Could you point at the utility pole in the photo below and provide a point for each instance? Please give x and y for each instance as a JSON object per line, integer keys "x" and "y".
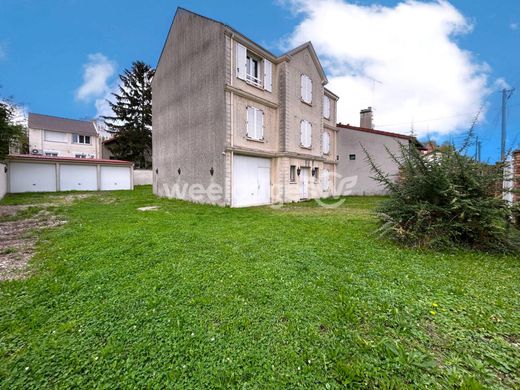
{"x": 506, "y": 94}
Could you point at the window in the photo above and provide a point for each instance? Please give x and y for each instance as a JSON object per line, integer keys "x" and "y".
{"x": 255, "y": 123}
{"x": 55, "y": 136}
{"x": 326, "y": 107}
{"x": 306, "y": 88}
{"x": 305, "y": 134}
{"x": 326, "y": 143}
{"x": 292, "y": 174}
{"x": 249, "y": 68}
{"x": 51, "y": 154}
{"x": 325, "y": 180}
{"x": 81, "y": 156}
{"x": 351, "y": 156}
{"x": 316, "y": 175}
{"x": 252, "y": 70}
{"x": 80, "y": 139}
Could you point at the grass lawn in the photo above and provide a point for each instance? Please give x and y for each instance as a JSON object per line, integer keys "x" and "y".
{"x": 200, "y": 296}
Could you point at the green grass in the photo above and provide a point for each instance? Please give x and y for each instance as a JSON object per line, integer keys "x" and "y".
{"x": 199, "y": 296}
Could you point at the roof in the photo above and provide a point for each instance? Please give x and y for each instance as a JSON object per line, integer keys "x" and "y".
{"x": 380, "y": 132}
{"x": 62, "y": 125}
{"x": 29, "y": 157}
{"x": 265, "y": 52}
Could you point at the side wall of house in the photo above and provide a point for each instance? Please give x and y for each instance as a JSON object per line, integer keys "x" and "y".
{"x": 355, "y": 176}
{"x": 189, "y": 110}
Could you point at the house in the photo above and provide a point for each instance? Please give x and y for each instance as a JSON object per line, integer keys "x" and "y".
{"x": 355, "y": 176}
{"x": 236, "y": 125}
{"x": 516, "y": 175}
{"x": 60, "y": 137}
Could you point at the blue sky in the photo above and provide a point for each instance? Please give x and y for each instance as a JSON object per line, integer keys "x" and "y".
{"x": 45, "y": 46}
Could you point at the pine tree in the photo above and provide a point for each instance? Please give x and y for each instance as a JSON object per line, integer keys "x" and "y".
{"x": 132, "y": 120}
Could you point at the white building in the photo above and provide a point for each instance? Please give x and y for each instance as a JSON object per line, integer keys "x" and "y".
{"x": 60, "y": 137}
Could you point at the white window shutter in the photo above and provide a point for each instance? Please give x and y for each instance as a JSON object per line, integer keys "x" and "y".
{"x": 325, "y": 179}
{"x": 250, "y": 122}
{"x": 309, "y": 134}
{"x": 309, "y": 90}
{"x": 303, "y": 132}
{"x": 268, "y": 76}
{"x": 326, "y": 107}
{"x": 326, "y": 143}
{"x": 241, "y": 61}
{"x": 259, "y": 133}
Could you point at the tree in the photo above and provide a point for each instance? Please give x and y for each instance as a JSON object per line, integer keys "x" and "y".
{"x": 12, "y": 135}
{"x": 132, "y": 120}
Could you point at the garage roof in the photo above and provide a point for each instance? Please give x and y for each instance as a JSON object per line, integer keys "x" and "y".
{"x": 28, "y": 157}
{"x": 62, "y": 125}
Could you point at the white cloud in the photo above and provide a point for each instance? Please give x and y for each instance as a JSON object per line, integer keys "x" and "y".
{"x": 501, "y": 83}
{"x": 403, "y": 60}
{"x": 97, "y": 73}
{"x": 513, "y": 26}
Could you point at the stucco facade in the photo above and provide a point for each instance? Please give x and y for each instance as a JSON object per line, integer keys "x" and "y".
{"x": 222, "y": 102}
{"x": 60, "y": 137}
{"x": 355, "y": 176}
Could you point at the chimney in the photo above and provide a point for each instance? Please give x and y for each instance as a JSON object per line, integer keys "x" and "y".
{"x": 366, "y": 118}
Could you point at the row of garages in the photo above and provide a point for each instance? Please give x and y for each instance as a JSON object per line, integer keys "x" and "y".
{"x": 26, "y": 173}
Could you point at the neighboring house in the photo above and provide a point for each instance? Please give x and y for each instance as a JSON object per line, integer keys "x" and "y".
{"x": 232, "y": 118}
{"x": 60, "y": 137}
{"x": 355, "y": 176}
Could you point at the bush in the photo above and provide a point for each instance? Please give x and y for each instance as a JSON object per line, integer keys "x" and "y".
{"x": 445, "y": 199}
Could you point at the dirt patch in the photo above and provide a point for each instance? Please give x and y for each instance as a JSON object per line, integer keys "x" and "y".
{"x": 17, "y": 240}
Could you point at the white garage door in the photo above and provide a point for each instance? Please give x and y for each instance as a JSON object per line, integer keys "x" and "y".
{"x": 251, "y": 181}
{"x": 115, "y": 178}
{"x": 30, "y": 177}
{"x": 78, "y": 177}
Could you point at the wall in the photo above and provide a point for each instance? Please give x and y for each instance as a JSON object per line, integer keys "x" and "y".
{"x": 189, "y": 108}
{"x": 143, "y": 177}
{"x": 64, "y": 149}
{"x": 3, "y": 180}
{"x": 358, "y": 171}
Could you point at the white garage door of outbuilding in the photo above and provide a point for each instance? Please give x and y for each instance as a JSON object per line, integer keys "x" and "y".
{"x": 27, "y": 177}
{"x": 251, "y": 181}
{"x": 115, "y": 178}
{"x": 78, "y": 177}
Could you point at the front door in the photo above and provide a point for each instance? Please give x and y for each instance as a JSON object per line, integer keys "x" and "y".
{"x": 304, "y": 183}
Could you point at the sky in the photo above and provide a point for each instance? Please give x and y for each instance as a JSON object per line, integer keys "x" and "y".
{"x": 430, "y": 67}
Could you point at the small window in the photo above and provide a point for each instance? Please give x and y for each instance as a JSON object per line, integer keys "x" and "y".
{"x": 316, "y": 175}
{"x": 306, "y": 88}
{"x": 255, "y": 123}
{"x": 351, "y": 156}
{"x": 51, "y": 154}
{"x": 292, "y": 174}
{"x": 81, "y": 156}
{"x": 253, "y": 69}
{"x": 80, "y": 139}
{"x": 326, "y": 107}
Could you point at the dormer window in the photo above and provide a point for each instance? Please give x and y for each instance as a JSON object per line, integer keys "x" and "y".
{"x": 253, "y": 69}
